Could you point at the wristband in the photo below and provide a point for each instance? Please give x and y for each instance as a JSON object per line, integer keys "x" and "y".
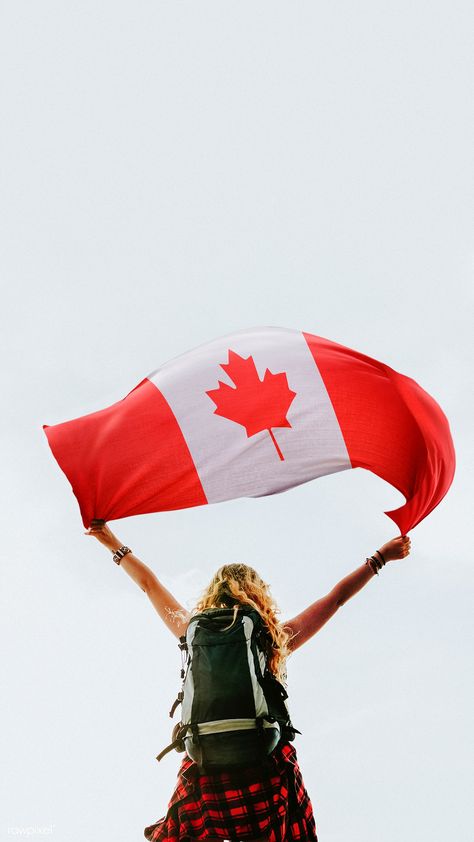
{"x": 119, "y": 554}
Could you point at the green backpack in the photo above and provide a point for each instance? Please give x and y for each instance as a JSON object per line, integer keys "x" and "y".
{"x": 234, "y": 711}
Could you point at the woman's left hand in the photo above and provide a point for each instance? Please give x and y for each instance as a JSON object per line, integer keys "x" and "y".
{"x": 396, "y": 548}
{"x": 101, "y": 531}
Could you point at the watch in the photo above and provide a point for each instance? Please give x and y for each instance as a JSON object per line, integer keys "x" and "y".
{"x": 119, "y": 554}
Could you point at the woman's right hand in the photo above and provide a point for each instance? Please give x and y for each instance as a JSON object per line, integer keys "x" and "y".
{"x": 396, "y": 548}
{"x": 101, "y": 531}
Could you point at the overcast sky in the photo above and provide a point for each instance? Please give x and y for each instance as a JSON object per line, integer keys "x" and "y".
{"x": 172, "y": 172}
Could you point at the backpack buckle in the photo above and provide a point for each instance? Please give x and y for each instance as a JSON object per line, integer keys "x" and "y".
{"x": 177, "y": 702}
{"x": 179, "y": 732}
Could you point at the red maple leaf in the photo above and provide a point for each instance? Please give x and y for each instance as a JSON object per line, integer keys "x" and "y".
{"x": 256, "y": 404}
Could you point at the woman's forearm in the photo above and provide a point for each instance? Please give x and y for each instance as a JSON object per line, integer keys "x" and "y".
{"x": 137, "y": 570}
{"x": 315, "y": 616}
{"x": 173, "y": 614}
{"x": 170, "y": 610}
{"x": 398, "y": 547}
{"x": 352, "y": 583}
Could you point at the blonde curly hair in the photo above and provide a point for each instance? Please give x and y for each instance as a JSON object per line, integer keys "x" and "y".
{"x": 237, "y": 584}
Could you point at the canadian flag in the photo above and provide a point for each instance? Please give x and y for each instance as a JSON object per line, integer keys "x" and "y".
{"x": 255, "y": 413}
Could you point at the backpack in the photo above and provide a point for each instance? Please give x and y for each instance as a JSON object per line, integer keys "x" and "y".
{"x": 234, "y": 711}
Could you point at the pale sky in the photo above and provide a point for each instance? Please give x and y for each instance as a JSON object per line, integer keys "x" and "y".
{"x": 176, "y": 171}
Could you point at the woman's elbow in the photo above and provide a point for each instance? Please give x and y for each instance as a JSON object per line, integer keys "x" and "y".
{"x": 338, "y": 597}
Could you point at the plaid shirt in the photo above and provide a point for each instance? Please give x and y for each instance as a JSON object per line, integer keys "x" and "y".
{"x": 267, "y": 803}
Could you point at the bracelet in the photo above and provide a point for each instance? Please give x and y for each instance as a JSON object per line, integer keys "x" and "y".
{"x": 119, "y": 554}
{"x": 375, "y": 563}
{"x": 372, "y": 564}
{"x": 381, "y": 556}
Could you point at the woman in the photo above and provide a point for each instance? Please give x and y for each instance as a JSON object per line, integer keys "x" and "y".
{"x": 268, "y": 802}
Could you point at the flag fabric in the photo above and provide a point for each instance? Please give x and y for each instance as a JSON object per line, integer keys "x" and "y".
{"x": 255, "y": 413}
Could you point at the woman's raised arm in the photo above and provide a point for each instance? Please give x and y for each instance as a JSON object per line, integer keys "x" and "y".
{"x": 305, "y": 625}
{"x": 170, "y": 610}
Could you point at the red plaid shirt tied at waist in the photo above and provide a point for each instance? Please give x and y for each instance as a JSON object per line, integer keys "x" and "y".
{"x": 269, "y": 802}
